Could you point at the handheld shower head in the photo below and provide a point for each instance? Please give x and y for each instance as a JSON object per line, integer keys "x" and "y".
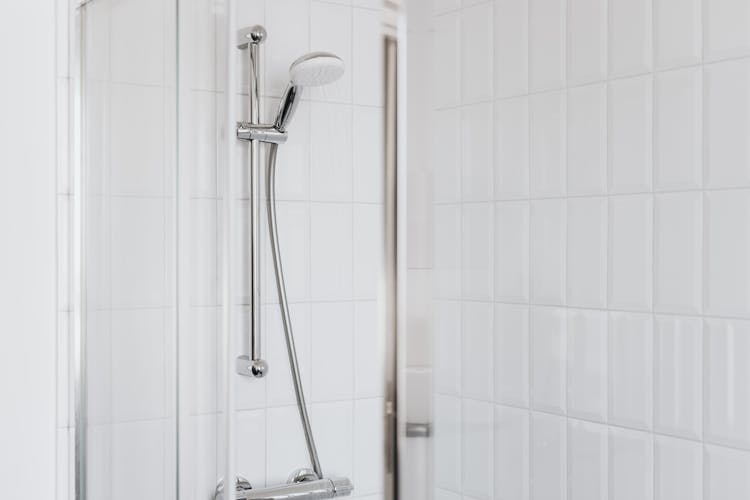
{"x": 316, "y": 69}
{"x": 311, "y": 70}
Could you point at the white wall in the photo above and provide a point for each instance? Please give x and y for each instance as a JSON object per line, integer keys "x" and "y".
{"x": 28, "y": 48}
{"x": 591, "y": 263}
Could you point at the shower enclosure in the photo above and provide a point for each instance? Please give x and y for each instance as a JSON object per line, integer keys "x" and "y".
{"x": 178, "y": 269}
{"x": 536, "y": 287}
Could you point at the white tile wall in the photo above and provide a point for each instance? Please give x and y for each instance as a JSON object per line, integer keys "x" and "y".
{"x": 618, "y": 248}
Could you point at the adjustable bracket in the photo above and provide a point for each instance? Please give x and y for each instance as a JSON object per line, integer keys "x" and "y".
{"x": 262, "y": 133}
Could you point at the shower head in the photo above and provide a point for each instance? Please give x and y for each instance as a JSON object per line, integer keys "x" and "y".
{"x": 311, "y": 70}
{"x": 315, "y": 69}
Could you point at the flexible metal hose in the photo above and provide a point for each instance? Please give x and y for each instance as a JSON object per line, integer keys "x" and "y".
{"x": 284, "y": 307}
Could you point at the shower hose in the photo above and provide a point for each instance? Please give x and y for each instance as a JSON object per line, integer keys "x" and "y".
{"x": 284, "y": 307}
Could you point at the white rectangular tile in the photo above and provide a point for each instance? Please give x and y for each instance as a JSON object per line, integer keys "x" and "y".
{"x": 548, "y": 222}
{"x": 727, "y": 252}
{"x": 251, "y": 459}
{"x": 199, "y": 147}
{"x": 630, "y": 252}
{"x": 727, "y": 398}
{"x": 477, "y": 449}
{"x": 446, "y": 495}
{"x": 546, "y": 44}
{"x": 511, "y": 453}
{"x": 587, "y": 364}
{"x": 678, "y": 129}
{"x": 368, "y": 357}
{"x": 367, "y": 135}
{"x": 331, "y": 251}
{"x": 284, "y": 430}
{"x": 727, "y": 473}
{"x": 511, "y": 250}
{"x": 99, "y": 452}
{"x": 678, "y": 469}
{"x": 476, "y": 53}
{"x": 367, "y": 57}
{"x": 200, "y": 352}
{"x": 442, "y": 6}
{"x": 547, "y": 138}
{"x": 447, "y": 244}
{"x": 419, "y": 308}
{"x": 148, "y": 20}
{"x": 476, "y": 153}
{"x": 678, "y": 252}
{"x": 447, "y": 323}
{"x": 678, "y": 376}
{"x": 198, "y": 460}
{"x": 727, "y": 124}
{"x": 476, "y": 350}
{"x": 98, "y": 366}
{"x": 331, "y": 152}
{"x": 586, "y": 44}
{"x": 726, "y": 28}
{"x": 629, "y": 130}
{"x": 511, "y": 348}
{"x": 137, "y": 117}
{"x": 629, "y": 38}
{"x": 587, "y": 460}
{"x": 447, "y": 75}
{"x": 548, "y": 359}
{"x": 332, "y": 351}
{"x": 419, "y": 405}
{"x": 548, "y": 457}
{"x": 476, "y": 251}
{"x": 587, "y": 140}
{"x": 367, "y": 250}
{"x": 137, "y": 235}
{"x": 586, "y": 276}
{"x": 368, "y": 437}
{"x": 331, "y": 31}
{"x": 139, "y": 450}
{"x": 138, "y": 339}
{"x": 511, "y": 54}
{"x": 447, "y": 448}
{"x": 631, "y": 461}
{"x": 511, "y": 148}
{"x": 280, "y": 390}
{"x": 291, "y": 17}
{"x": 446, "y": 155}
{"x": 294, "y": 238}
{"x": 333, "y": 427}
{"x": 630, "y": 364}
{"x": 677, "y": 32}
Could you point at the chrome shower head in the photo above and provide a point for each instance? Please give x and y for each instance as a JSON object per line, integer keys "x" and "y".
{"x": 311, "y": 70}
{"x": 315, "y": 69}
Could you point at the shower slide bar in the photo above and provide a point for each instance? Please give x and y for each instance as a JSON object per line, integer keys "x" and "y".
{"x": 249, "y": 39}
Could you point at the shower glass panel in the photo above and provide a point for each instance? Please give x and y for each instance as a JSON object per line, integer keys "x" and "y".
{"x": 165, "y": 198}
{"x": 127, "y": 390}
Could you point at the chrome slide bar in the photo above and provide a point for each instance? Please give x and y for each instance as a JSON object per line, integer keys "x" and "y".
{"x": 253, "y": 365}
